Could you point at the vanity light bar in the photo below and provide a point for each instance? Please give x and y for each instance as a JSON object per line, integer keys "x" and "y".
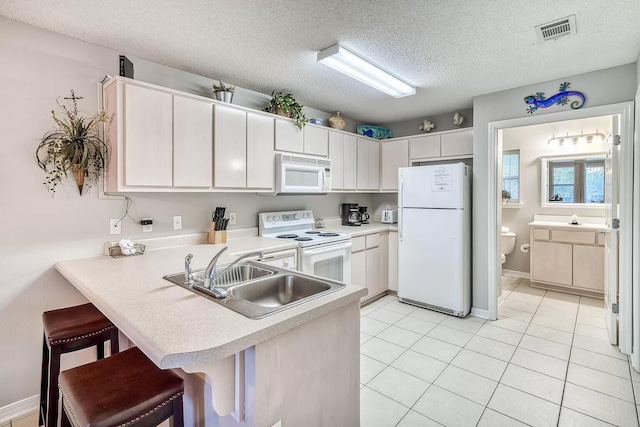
{"x": 596, "y": 137}
{"x": 354, "y": 66}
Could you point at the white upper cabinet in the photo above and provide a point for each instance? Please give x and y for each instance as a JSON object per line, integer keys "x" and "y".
{"x": 424, "y": 147}
{"x": 288, "y": 137}
{"x": 374, "y": 165}
{"x": 230, "y": 147}
{"x": 350, "y": 161}
{"x": 363, "y": 164}
{"x": 336, "y": 155}
{"x": 260, "y": 153}
{"x": 395, "y": 154}
{"x": 456, "y": 143}
{"x": 368, "y": 167}
{"x": 316, "y": 140}
{"x": 192, "y": 142}
{"x": 148, "y": 137}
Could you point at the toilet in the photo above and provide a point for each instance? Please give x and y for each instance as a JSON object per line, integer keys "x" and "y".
{"x": 507, "y": 242}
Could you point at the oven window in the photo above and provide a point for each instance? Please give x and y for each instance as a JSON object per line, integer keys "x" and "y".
{"x": 330, "y": 268}
{"x": 297, "y": 178}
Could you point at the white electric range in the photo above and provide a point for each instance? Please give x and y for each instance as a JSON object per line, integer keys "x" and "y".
{"x": 320, "y": 252}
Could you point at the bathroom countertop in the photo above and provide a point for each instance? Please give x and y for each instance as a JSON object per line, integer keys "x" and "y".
{"x": 566, "y": 225}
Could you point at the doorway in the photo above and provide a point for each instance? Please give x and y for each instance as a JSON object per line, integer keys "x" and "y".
{"x": 621, "y": 115}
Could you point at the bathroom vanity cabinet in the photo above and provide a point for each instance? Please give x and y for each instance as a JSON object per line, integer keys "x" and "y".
{"x": 570, "y": 260}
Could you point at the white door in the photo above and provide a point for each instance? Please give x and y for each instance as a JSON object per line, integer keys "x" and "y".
{"x": 336, "y": 155}
{"x": 439, "y": 186}
{"x": 611, "y": 238}
{"x": 192, "y": 142}
{"x": 431, "y": 258}
{"x": 260, "y": 154}
{"x": 230, "y": 147}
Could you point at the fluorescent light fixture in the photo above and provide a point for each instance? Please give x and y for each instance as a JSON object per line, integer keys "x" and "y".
{"x": 354, "y": 66}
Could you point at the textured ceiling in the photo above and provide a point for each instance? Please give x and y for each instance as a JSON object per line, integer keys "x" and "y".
{"x": 452, "y": 50}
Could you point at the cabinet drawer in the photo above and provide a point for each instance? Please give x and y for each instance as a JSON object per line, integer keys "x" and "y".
{"x": 588, "y": 237}
{"x": 357, "y": 244}
{"x": 373, "y": 240}
{"x": 540, "y": 234}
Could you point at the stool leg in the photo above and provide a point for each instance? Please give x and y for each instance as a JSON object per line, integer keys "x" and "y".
{"x": 100, "y": 350}
{"x": 178, "y": 419}
{"x": 115, "y": 344}
{"x": 44, "y": 381}
{"x": 54, "y": 372}
{"x": 65, "y": 422}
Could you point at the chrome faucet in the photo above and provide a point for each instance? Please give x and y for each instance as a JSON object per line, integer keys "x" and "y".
{"x": 211, "y": 276}
{"x": 188, "y": 273}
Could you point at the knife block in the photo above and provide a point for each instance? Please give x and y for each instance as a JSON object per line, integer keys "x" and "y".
{"x": 216, "y": 237}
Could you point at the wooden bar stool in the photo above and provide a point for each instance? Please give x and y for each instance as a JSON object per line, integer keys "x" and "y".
{"x": 67, "y": 330}
{"x": 122, "y": 390}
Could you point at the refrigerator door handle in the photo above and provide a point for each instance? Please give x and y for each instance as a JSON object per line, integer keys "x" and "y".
{"x": 400, "y": 204}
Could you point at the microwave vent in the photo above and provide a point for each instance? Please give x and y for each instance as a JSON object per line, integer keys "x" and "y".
{"x": 305, "y": 161}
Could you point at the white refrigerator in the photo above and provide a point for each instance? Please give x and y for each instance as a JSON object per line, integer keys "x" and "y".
{"x": 434, "y": 237}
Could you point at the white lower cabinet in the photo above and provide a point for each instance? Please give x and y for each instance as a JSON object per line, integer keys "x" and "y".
{"x": 369, "y": 267}
{"x": 570, "y": 260}
{"x": 393, "y": 261}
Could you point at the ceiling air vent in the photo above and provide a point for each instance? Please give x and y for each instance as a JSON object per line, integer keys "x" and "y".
{"x": 558, "y": 28}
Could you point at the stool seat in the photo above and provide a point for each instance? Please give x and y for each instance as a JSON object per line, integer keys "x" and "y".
{"x": 120, "y": 390}
{"x": 74, "y": 323}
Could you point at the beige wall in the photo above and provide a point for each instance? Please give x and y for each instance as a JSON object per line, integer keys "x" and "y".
{"x": 37, "y": 230}
{"x": 532, "y": 143}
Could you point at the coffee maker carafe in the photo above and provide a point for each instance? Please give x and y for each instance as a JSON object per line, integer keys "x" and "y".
{"x": 350, "y": 214}
{"x": 364, "y": 215}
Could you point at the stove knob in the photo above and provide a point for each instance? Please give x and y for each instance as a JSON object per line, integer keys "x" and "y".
{"x": 276, "y": 218}
{"x": 304, "y": 215}
{"x": 270, "y": 218}
{"x": 296, "y": 216}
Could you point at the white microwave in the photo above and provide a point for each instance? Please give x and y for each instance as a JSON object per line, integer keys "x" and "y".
{"x": 302, "y": 175}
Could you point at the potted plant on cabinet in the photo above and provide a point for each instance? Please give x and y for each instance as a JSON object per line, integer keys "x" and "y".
{"x": 74, "y": 145}
{"x": 223, "y": 92}
{"x": 506, "y": 196}
{"x": 287, "y": 106}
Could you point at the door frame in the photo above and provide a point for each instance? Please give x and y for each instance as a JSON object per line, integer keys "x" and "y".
{"x": 626, "y": 112}
{"x": 635, "y": 354}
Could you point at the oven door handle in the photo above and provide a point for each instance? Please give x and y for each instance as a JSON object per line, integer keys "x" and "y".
{"x": 325, "y": 249}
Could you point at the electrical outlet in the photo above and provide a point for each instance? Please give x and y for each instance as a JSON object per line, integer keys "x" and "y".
{"x": 115, "y": 226}
{"x": 177, "y": 222}
{"x": 232, "y": 218}
{"x": 147, "y": 225}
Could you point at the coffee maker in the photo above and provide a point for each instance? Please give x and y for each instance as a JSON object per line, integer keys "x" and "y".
{"x": 350, "y": 214}
{"x": 364, "y": 215}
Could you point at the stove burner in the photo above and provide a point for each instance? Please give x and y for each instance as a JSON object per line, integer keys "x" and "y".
{"x": 312, "y": 232}
{"x": 287, "y": 236}
{"x": 303, "y": 239}
{"x": 328, "y": 234}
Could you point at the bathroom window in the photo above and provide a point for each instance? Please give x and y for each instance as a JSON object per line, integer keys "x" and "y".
{"x": 576, "y": 181}
{"x": 511, "y": 173}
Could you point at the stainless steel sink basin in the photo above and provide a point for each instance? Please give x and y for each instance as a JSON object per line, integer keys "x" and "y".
{"x": 237, "y": 274}
{"x": 278, "y": 290}
{"x": 256, "y": 290}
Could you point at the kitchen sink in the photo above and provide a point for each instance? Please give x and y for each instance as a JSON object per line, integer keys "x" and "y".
{"x": 237, "y": 274}
{"x": 256, "y": 290}
{"x": 279, "y": 290}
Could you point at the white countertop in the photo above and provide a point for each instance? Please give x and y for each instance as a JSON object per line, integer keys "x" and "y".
{"x": 361, "y": 230}
{"x": 173, "y": 326}
{"x": 566, "y": 225}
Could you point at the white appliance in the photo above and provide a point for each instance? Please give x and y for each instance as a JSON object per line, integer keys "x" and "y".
{"x": 320, "y": 252}
{"x": 434, "y": 229}
{"x": 389, "y": 216}
{"x": 302, "y": 174}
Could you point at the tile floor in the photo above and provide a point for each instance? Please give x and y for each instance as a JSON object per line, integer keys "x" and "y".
{"x": 545, "y": 362}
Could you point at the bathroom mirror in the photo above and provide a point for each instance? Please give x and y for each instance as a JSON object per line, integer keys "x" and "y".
{"x": 572, "y": 181}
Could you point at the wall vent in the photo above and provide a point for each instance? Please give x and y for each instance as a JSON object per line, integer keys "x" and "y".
{"x": 558, "y": 28}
